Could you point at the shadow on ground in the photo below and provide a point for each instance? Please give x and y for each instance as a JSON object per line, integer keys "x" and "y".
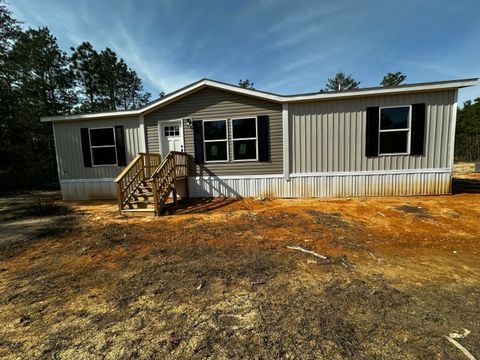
{"x": 460, "y": 186}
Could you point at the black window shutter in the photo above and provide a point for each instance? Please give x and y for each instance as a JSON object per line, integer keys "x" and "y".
{"x": 198, "y": 141}
{"x": 120, "y": 144}
{"x": 263, "y": 138}
{"x": 87, "y": 158}
{"x": 417, "y": 140}
{"x": 371, "y": 146}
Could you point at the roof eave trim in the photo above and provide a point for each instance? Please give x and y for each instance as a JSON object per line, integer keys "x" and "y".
{"x": 121, "y": 113}
{"x": 385, "y": 91}
{"x": 262, "y": 95}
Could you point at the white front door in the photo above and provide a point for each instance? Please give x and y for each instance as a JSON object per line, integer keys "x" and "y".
{"x": 171, "y": 137}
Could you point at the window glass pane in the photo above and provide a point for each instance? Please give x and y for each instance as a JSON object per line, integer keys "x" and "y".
{"x": 393, "y": 142}
{"x": 99, "y": 137}
{"x": 104, "y": 156}
{"x": 245, "y": 149}
{"x": 244, "y": 128}
{"x": 172, "y": 130}
{"x": 394, "y": 118}
{"x": 216, "y": 150}
{"x": 215, "y": 130}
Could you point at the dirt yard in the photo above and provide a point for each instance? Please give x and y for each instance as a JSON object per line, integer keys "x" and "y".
{"x": 79, "y": 280}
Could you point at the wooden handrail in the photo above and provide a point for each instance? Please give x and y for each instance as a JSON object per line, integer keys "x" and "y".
{"x": 147, "y": 167}
{"x": 127, "y": 168}
{"x": 164, "y": 176}
{"x": 134, "y": 174}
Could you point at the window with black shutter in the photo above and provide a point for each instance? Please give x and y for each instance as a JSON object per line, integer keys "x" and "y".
{"x": 394, "y": 130}
{"x": 244, "y": 138}
{"x": 215, "y": 140}
{"x": 103, "y": 146}
{"x": 248, "y": 139}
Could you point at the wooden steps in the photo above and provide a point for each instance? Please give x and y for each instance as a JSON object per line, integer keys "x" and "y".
{"x": 143, "y": 188}
{"x": 140, "y": 212}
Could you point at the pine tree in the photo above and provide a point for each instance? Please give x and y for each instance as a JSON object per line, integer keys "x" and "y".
{"x": 341, "y": 82}
{"x": 393, "y": 79}
{"x": 246, "y": 84}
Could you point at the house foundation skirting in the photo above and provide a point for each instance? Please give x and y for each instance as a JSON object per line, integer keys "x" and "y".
{"x": 88, "y": 189}
{"x": 348, "y": 184}
{"x": 99, "y": 189}
{"x": 341, "y": 184}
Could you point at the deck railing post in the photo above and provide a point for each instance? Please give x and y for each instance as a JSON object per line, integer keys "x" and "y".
{"x": 119, "y": 196}
{"x": 155, "y": 196}
{"x": 142, "y": 166}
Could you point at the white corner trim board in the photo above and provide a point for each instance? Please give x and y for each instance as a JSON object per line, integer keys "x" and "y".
{"x": 286, "y": 142}
{"x": 452, "y": 132}
{"x": 141, "y": 130}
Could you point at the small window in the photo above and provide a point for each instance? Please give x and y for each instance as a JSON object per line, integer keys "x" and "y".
{"x": 172, "y": 130}
{"x": 394, "y": 130}
{"x": 102, "y": 146}
{"x": 244, "y": 136}
{"x": 215, "y": 140}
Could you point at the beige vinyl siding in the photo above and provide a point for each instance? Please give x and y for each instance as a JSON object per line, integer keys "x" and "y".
{"x": 329, "y": 136}
{"x": 69, "y": 147}
{"x": 219, "y": 104}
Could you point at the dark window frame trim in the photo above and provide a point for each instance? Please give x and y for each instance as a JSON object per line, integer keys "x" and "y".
{"x": 239, "y": 139}
{"x": 408, "y": 130}
{"x": 103, "y": 146}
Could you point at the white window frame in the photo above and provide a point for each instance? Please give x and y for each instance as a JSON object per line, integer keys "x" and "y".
{"x": 408, "y": 129}
{"x": 254, "y": 138}
{"x": 216, "y": 140}
{"x": 103, "y": 146}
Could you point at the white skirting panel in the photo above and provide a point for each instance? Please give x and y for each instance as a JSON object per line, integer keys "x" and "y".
{"x": 88, "y": 189}
{"x": 393, "y": 183}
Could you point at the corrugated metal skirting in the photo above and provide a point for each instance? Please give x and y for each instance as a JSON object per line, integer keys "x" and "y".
{"x": 397, "y": 184}
{"x": 94, "y": 189}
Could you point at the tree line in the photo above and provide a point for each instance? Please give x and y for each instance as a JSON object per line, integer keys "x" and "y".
{"x": 37, "y": 79}
{"x": 467, "y": 136}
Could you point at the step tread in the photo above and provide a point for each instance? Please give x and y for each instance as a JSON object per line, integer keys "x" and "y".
{"x": 143, "y": 194}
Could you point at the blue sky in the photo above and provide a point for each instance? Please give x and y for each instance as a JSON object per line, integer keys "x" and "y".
{"x": 283, "y": 46}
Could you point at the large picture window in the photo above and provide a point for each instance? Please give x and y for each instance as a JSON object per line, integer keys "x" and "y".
{"x": 394, "y": 130}
{"x": 244, "y": 137}
{"x": 215, "y": 140}
{"x": 102, "y": 146}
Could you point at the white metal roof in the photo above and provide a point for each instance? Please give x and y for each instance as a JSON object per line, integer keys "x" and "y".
{"x": 174, "y": 96}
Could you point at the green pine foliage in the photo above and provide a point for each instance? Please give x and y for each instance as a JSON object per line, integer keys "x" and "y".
{"x": 341, "y": 82}
{"x": 37, "y": 79}
{"x": 393, "y": 79}
{"x": 246, "y": 84}
{"x": 467, "y": 137}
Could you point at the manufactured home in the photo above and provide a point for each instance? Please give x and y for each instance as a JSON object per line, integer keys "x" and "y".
{"x": 212, "y": 139}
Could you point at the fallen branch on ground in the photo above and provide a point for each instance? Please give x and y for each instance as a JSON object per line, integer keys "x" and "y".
{"x": 323, "y": 257}
{"x": 461, "y": 348}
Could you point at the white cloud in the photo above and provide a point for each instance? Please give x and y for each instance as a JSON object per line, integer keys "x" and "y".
{"x": 149, "y": 64}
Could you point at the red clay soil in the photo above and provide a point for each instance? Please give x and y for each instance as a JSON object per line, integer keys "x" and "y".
{"x": 79, "y": 280}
